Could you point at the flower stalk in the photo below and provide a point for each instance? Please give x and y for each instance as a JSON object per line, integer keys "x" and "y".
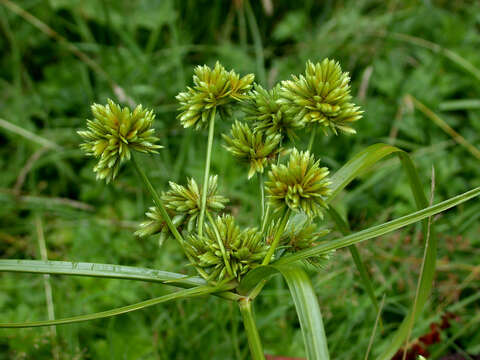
{"x": 312, "y": 138}
{"x": 262, "y": 194}
{"x": 158, "y": 202}
{"x": 276, "y": 239}
{"x": 220, "y": 245}
{"x": 211, "y": 130}
{"x": 254, "y": 342}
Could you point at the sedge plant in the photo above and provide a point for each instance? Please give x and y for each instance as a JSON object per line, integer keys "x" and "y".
{"x": 295, "y": 195}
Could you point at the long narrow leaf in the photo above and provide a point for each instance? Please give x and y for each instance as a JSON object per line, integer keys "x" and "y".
{"x": 356, "y": 165}
{"x": 347, "y": 173}
{"x": 378, "y": 230}
{"x": 99, "y": 270}
{"x": 182, "y": 294}
{"x": 308, "y": 311}
{"x": 305, "y": 301}
{"x": 107, "y": 271}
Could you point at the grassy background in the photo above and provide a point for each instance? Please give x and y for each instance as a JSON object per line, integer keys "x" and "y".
{"x": 59, "y": 56}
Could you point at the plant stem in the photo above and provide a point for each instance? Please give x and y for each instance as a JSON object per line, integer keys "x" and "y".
{"x": 158, "y": 202}
{"x": 47, "y": 285}
{"x": 211, "y": 128}
{"x": 276, "y": 239}
{"x": 253, "y": 337}
{"x": 312, "y": 138}
{"x": 262, "y": 194}
{"x": 257, "y": 43}
{"x": 220, "y": 244}
{"x": 265, "y": 219}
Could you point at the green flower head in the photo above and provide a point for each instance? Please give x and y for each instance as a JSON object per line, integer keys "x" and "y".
{"x": 300, "y": 185}
{"x": 114, "y": 132}
{"x": 183, "y": 206}
{"x": 321, "y": 96}
{"x": 213, "y": 89}
{"x": 252, "y": 147}
{"x": 245, "y": 249}
{"x": 187, "y": 200}
{"x": 300, "y": 233}
{"x": 264, "y": 109}
{"x": 156, "y": 225}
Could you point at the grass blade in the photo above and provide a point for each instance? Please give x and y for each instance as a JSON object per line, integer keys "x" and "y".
{"x": 305, "y": 301}
{"x": 437, "y": 120}
{"x": 99, "y": 270}
{"x": 28, "y": 135}
{"x": 374, "y": 331}
{"x": 462, "y": 104}
{"x": 358, "y": 164}
{"x": 182, "y": 294}
{"x": 308, "y": 311}
{"x": 381, "y": 229}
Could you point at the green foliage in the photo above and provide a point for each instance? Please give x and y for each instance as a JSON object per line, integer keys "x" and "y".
{"x": 149, "y": 49}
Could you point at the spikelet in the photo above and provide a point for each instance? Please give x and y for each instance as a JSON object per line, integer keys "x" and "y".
{"x": 114, "y": 133}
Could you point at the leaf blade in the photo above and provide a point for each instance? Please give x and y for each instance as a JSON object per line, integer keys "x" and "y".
{"x": 308, "y": 311}
{"x": 182, "y": 294}
{"x": 379, "y": 230}
{"x": 98, "y": 270}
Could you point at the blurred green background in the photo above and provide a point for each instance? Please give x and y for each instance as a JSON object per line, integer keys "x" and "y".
{"x": 60, "y": 56}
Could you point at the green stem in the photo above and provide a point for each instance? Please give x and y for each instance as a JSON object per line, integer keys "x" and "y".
{"x": 256, "y": 349}
{"x": 265, "y": 219}
{"x": 47, "y": 284}
{"x": 276, "y": 239}
{"x": 207, "y": 172}
{"x": 257, "y": 43}
{"x": 262, "y": 193}
{"x": 312, "y": 138}
{"x": 220, "y": 244}
{"x": 158, "y": 202}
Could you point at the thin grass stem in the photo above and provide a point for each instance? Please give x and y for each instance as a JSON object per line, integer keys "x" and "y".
{"x": 312, "y": 138}
{"x": 254, "y": 342}
{"x": 276, "y": 239}
{"x": 262, "y": 194}
{"x": 211, "y": 129}
{"x": 47, "y": 284}
{"x": 374, "y": 331}
{"x": 424, "y": 257}
{"x": 257, "y": 43}
{"x": 158, "y": 202}
{"x": 220, "y": 244}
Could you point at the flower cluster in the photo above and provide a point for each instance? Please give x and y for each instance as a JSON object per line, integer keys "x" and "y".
{"x": 244, "y": 249}
{"x": 183, "y": 205}
{"x": 264, "y": 109}
{"x": 114, "y": 132}
{"x": 212, "y": 90}
{"x": 217, "y": 247}
{"x": 300, "y": 185}
{"x": 252, "y": 147}
{"x": 321, "y": 96}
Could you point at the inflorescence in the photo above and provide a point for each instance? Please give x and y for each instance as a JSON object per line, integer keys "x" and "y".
{"x": 272, "y": 119}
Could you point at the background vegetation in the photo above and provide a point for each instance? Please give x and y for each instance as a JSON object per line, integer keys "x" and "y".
{"x": 410, "y": 61}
